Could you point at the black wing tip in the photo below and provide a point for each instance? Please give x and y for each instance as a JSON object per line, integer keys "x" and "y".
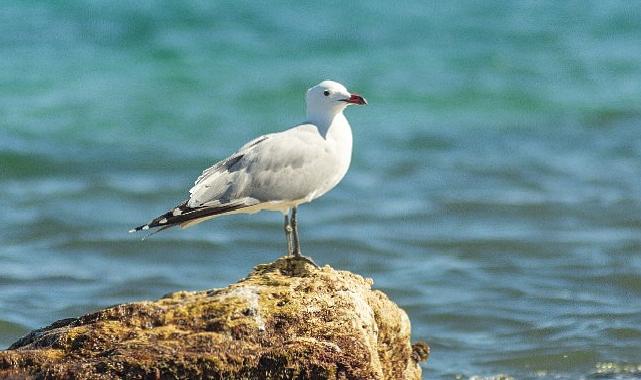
{"x": 163, "y": 220}
{"x": 139, "y": 228}
{"x": 184, "y": 213}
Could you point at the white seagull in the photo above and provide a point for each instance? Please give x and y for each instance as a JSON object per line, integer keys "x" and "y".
{"x": 277, "y": 171}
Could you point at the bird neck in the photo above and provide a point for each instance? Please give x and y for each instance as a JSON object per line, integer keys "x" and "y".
{"x": 326, "y": 121}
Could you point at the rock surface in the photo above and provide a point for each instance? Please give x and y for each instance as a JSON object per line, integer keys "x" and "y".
{"x": 285, "y": 320}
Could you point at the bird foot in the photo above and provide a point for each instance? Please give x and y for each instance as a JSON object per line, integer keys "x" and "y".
{"x": 298, "y": 256}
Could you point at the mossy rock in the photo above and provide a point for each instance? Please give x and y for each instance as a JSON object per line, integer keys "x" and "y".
{"x": 286, "y": 320}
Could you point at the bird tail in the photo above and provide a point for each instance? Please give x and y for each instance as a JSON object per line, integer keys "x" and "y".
{"x": 186, "y": 216}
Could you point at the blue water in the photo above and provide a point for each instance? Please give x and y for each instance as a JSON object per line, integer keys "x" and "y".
{"x": 494, "y": 193}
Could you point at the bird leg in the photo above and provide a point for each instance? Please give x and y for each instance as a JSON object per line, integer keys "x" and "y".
{"x": 288, "y": 235}
{"x": 296, "y": 242}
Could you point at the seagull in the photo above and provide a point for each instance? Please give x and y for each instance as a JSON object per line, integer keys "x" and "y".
{"x": 276, "y": 172}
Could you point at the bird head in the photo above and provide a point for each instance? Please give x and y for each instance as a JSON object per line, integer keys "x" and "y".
{"x": 330, "y": 98}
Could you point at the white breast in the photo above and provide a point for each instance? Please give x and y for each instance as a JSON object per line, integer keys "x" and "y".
{"x": 339, "y": 139}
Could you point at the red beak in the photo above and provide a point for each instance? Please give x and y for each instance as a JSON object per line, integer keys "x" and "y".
{"x": 356, "y": 99}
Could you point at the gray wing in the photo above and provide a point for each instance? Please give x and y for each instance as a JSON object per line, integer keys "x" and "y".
{"x": 288, "y": 166}
{"x": 285, "y": 166}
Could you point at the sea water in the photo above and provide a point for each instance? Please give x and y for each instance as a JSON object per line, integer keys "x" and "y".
{"x": 494, "y": 192}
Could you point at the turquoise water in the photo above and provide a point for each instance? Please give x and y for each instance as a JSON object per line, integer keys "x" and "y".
{"x": 494, "y": 193}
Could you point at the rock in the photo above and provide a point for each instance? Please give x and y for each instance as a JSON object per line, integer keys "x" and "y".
{"x": 286, "y": 320}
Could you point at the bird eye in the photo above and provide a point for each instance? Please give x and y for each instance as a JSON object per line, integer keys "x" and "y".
{"x": 326, "y": 92}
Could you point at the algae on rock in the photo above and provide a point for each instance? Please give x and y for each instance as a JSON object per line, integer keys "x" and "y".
{"x": 286, "y": 320}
